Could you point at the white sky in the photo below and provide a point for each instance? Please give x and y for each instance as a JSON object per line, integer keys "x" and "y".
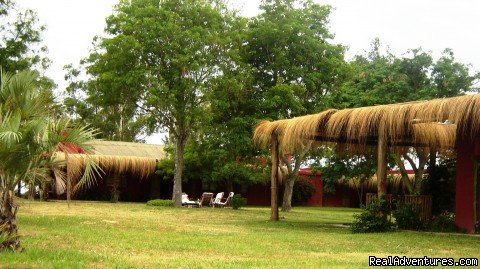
{"x": 432, "y": 25}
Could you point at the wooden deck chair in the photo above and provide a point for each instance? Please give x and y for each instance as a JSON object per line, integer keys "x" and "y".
{"x": 218, "y": 199}
{"x": 225, "y": 202}
{"x": 206, "y": 199}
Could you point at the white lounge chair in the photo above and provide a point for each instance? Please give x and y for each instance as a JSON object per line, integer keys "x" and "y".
{"x": 187, "y": 202}
{"x": 224, "y": 203}
{"x": 218, "y": 199}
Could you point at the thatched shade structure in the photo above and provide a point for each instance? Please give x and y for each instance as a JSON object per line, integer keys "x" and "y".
{"x": 115, "y": 157}
{"x": 426, "y": 123}
{"x": 435, "y": 124}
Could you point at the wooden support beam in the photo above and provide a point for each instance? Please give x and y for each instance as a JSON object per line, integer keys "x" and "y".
{"x": 274, "y": 179}
{"x": 69, "y": 180}
{"x": 381, "y": 165}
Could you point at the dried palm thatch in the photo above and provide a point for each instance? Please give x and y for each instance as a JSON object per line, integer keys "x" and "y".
{"x": 394, "y": 181}
{"x": 120, "y": 148}
{"x": 114, "y": 157}
{"x": 433, "y": 123}
{"x": 292, "y": 133}
{"x": 141, "y": 166}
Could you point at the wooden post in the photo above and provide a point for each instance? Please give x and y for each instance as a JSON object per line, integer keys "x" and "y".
{"x": 69, "y": 179}
{"x": 274, "y": 179}
{"x": 381, "y": 165}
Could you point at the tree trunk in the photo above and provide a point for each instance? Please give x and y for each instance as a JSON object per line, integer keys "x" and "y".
{"x": 19, "y": 188}
{"x": 44, "y": 191}
{"x": 31, "y": 191}
{"x": 381, "y": 165}
{"x": 115, "y": 188}
{"x": 403, "y": 171}
{"x": 288, "y": 182}
{"x": 8, "y": 222}
{"x": 177, "y": 178}
{"x": 419, "y": 170}
{"x": 69, "y": 180}
{"x": 274, "y": 180}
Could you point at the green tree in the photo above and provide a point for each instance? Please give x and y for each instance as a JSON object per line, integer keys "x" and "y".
{"x": 29, "y": 140}
{"x": 295, "y": 65}
{"x": 175, "y": 48}
{"x": 382, "y": 78}
{"x": 452, "y": 78}
{"x": 355, "y": 168}
{"x": 110, "y": 99}
{"x": 20, "y": 38}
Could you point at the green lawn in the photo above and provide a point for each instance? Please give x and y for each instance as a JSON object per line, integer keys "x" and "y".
{"x": 129, "y": 235}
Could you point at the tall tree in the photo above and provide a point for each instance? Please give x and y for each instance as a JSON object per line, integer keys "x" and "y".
{"x": 110, "y": 99}
{"x": 20, "y": 37}
{"x": 175, "y": 48}
{"x": 295, "y": 65}
{"x": 452, "y": 78}
{"x": 381, "y": 78}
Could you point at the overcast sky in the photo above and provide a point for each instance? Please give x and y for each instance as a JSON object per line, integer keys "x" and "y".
{"x": 432, "y": 25}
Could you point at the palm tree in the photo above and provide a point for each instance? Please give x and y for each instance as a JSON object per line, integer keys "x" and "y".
{"x": 29, "y": 138}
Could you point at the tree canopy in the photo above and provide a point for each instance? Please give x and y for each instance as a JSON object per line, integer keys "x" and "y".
{"x": 20, "y": 39}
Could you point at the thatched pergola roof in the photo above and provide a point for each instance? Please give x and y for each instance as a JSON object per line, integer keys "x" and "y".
{"x": 433, "y": 123}
{"x": 117, "y": 157}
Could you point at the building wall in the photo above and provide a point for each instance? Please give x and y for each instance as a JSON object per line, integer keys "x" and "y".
{"x": 467, "y": 152}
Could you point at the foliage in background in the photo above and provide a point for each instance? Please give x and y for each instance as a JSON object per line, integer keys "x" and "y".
{"x": 165, "y": 69}
{"x": 357, "y": 168}
{"x": 160, "y": 203}
{"x": 443, "y": 222}
{"x": 20, "y": 39}
{"x": 380, "y": 77}
{"x": 440, "y": 184}
{"x": 302, "y": 191}
{"x": 375, "y": 218}
{"x": 213, "y": 169}
{"x": 295, "y": 65}
{"x": 238, "y": 201}
{"x": 407, "y": 216}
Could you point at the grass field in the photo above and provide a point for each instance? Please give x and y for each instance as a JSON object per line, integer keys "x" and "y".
{"x": 128, "y": 235}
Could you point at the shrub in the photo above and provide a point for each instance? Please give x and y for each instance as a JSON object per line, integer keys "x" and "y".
{"x": 302, "y": 191}
{"x": 444, "y": 222}
{"x": 408, "y": 216}
{"x": 160, "y": 202}
{"x": 375, "y": 218}
{"x": 238, "y": 201}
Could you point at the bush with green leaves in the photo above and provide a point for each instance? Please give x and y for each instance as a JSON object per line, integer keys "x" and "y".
{"x": 302, "y": 191}
{"x": 443, "y": 222}
{"x": 375, "y": 218}
{"x": 160, "y": 202}
{"x": 408, "y": 216}
{"x": 238, "y": 201}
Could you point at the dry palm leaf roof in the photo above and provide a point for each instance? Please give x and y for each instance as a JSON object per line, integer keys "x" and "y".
{"x": 117, "y": 157}
{"x": 119, "y": 148}
{"x": 434, "y": 123}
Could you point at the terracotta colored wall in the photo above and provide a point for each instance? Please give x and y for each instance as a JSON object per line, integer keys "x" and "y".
{"x": 464, "y": 184}
{"x": 258, "y": 195}
{"x": 343, "y": 197}
{"x": 317, "y": 197}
